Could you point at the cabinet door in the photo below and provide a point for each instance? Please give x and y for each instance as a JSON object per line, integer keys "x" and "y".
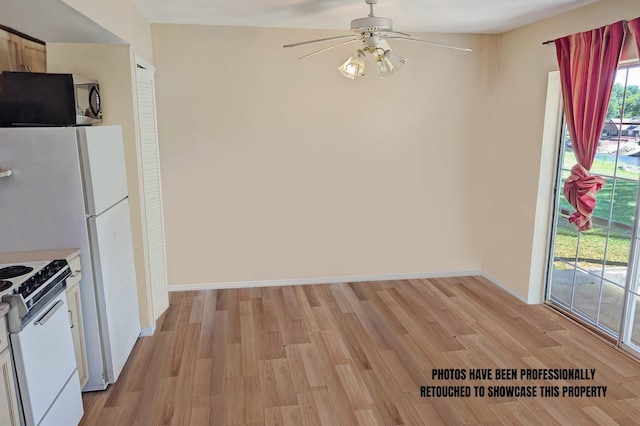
{"x": 77, "y": 332}
{"x": 34, "y": 57}
{"x": 8, "y": 401}
{"x": 9, "y": 51}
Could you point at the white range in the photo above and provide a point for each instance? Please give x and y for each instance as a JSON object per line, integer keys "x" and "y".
{"x": 41, "y": 342}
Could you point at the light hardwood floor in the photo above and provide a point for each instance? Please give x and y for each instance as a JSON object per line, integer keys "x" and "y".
{"x": 357, "y": 354}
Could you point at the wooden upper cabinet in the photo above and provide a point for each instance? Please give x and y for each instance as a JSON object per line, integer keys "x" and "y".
{"x": 21, "y": 54}
{"x": 8, "y": 52}
{"x": 34, "y": 57}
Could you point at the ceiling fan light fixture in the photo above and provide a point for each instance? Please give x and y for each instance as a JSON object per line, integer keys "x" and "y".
{"x": 389, "y": 63}
{"x": 354, "y": 66}
{"x": 372, "y": 32}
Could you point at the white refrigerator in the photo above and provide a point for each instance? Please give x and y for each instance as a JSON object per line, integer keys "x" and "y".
{"x": 68, "y": 189}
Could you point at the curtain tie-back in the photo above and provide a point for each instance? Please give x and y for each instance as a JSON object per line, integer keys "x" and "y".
{"x": 580, "y": 190}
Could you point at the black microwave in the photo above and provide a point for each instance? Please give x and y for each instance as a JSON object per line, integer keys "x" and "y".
{"x": 44, "y": 99}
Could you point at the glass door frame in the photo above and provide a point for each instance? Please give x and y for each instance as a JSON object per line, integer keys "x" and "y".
{"x": 631, "y": 298}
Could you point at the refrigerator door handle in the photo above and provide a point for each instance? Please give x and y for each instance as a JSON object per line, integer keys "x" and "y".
{"x": 89, "y": 216}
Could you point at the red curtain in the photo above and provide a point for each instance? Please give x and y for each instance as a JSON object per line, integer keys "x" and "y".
{"x": 588, "y": 63}
{"x": 634, "y": 26}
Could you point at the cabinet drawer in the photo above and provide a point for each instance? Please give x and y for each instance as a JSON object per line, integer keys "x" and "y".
{"x": 4, "y": 338}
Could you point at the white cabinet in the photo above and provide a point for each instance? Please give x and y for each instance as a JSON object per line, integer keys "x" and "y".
{"x": 74, "y": 305}
{"x": 8, "y": 400}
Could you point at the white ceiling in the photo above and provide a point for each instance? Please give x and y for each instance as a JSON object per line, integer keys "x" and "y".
{"x": 456, "y": 16}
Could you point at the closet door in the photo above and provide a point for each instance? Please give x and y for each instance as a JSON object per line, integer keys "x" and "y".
{"x": 152, "y": 190}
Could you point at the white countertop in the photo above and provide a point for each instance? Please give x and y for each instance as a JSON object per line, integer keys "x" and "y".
{"x": 37, "y": 255}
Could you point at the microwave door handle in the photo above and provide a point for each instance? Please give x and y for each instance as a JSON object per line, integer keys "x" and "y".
{"x": 94, "y": 94}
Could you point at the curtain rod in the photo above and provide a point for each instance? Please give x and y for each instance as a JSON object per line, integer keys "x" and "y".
{"x": 545, "y": 43}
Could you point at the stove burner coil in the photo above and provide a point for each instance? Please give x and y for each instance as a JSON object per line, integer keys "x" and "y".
{"x": 14, "y": 271}
{"x": 4, "y": 285}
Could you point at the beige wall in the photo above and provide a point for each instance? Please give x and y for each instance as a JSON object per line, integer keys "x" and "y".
{"x": 275, "y": 168}
{"x": 513, "y": 253}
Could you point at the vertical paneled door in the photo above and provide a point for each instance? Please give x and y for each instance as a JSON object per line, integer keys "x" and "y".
{"x": 152, "y": 189}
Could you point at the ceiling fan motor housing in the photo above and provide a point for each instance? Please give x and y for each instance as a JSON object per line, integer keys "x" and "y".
{"x": 372, "y": 31}
{"x": 371, "y": 24}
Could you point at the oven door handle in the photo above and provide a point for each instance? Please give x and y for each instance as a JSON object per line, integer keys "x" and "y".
{"x": 43, "y": 320}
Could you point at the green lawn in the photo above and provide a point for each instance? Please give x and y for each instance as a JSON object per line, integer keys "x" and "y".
{"x": 592, "y": 243}
{"x": 592, "y": 246}
{"x": 601, "y": 166}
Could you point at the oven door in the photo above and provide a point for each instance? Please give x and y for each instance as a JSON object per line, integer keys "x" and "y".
{"x": 45, "y": 366}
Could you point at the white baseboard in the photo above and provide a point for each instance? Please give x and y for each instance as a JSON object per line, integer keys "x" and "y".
{"x": 148, "y": 331}
{"x": 325, "y": 280}
{"x": 345, "y": 279}
{"x": 503, "y": 286}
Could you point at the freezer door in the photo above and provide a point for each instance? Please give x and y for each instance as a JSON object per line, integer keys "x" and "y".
{"x": 115, "y": 284}
{"x": 41, "y": 204}
{"x": 103, "y": 166}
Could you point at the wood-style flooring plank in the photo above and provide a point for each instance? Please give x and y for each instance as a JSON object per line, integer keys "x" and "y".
{"x": 253, "y": 403}
{"x": 357, "y": 354}
{"x": 308, "y": 409}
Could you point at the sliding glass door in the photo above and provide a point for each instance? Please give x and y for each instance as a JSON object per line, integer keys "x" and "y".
{"x": 631, "y": 332}
{"x": 593, "y": 274}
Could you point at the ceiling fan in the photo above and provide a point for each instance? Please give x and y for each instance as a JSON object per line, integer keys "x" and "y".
{"x": 373, "y": 31}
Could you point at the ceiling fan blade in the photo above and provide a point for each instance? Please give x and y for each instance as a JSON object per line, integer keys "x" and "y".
{"x": 327, "y": 48}
{"x": 412, "y": 38}
{"x": 383, "y": 32}
{"x": 320, "y": 39}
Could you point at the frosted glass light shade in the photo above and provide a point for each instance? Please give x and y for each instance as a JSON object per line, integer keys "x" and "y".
{"x": 389, "y": 63}
{"x": 354, "y": 66}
